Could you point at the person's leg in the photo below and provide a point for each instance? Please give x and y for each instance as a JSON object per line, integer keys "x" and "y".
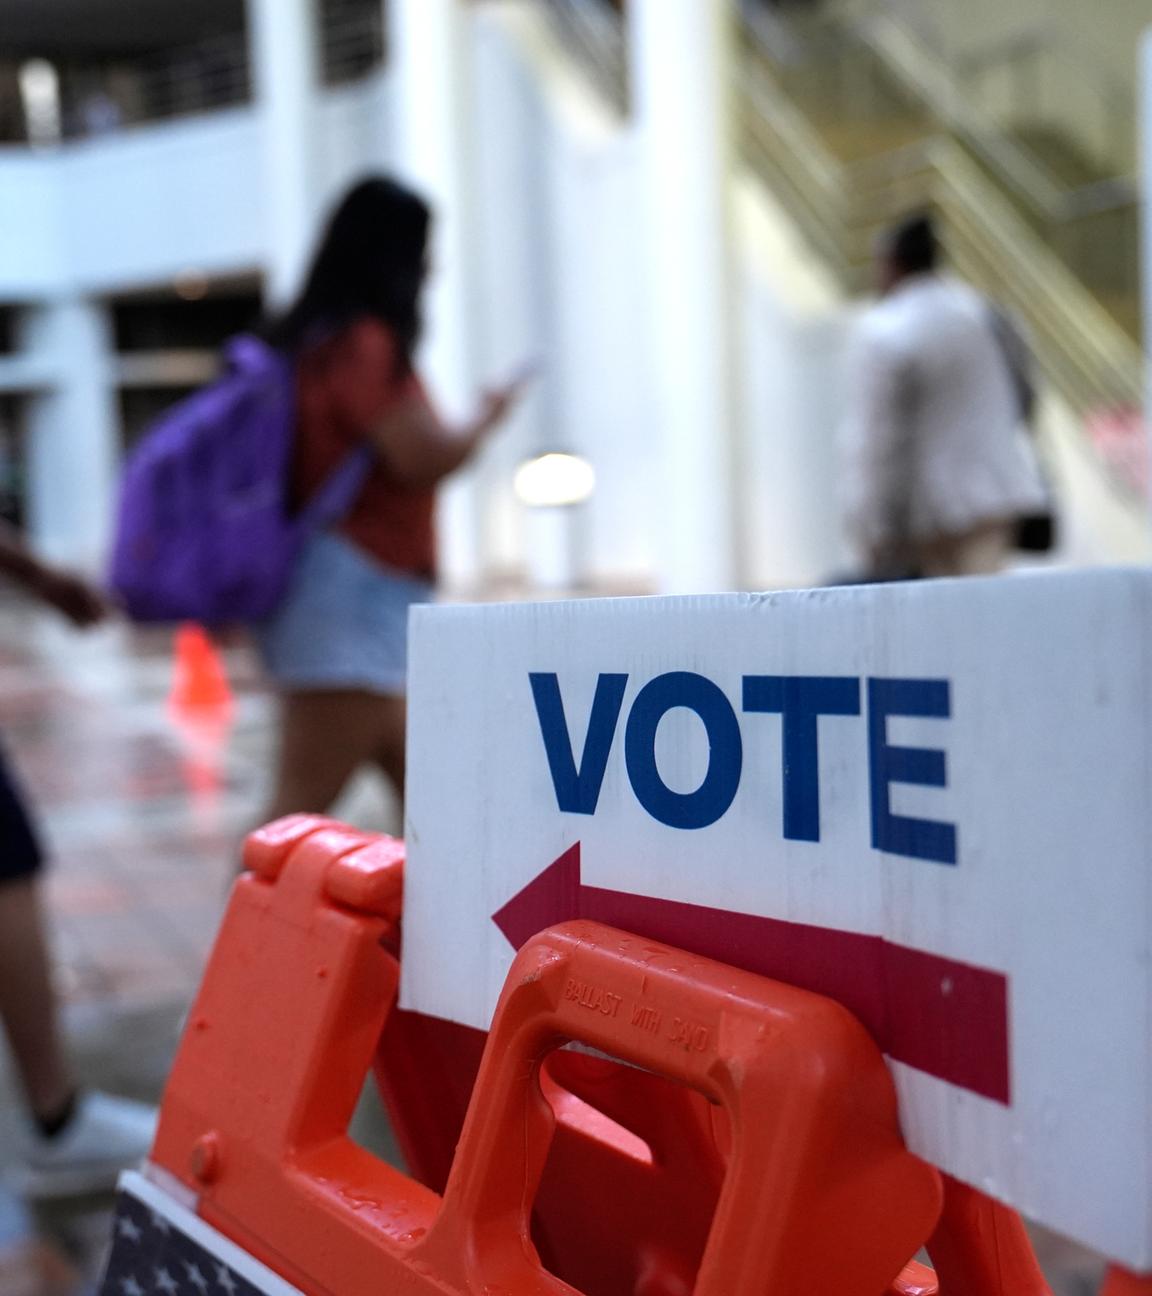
{"x": 78, "y": 1141}
{"x": 28, "y": 1004}
{"x": 981, "y": 551}
{"x": 28, "y": 1007}
{"x": 988, "y": 549}
{"x": 390, "y": 752}
{"x": 325, "y": 736}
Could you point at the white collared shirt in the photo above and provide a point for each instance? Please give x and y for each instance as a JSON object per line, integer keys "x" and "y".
{"x": 933, "y": 440}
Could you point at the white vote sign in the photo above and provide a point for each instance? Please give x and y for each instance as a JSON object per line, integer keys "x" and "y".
{"x": 931, "y": 801}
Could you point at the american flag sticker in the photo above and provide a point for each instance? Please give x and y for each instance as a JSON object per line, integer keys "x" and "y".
{"x": 160, "y": 1248}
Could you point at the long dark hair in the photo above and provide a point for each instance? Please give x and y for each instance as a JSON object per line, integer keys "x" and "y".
{"x": 371, "y": 261}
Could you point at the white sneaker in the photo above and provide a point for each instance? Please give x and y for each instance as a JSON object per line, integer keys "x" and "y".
{"x": 104, "y": 1136}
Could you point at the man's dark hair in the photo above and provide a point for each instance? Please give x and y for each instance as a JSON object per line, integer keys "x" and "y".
{"x": 913, "y": 247}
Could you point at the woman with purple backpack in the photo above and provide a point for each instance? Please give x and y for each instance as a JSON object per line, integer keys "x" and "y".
{"x": 336, "y": 645}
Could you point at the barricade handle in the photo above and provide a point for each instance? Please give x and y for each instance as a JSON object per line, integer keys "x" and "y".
{"x": 281, "y": 1036}
{"x": 816, "y": 1147}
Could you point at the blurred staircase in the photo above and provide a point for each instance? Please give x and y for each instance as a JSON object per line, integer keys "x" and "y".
{"x": 852, "y": 119}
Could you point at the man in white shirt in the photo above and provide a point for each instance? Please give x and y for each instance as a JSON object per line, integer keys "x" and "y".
{"x": 939, "y": 467}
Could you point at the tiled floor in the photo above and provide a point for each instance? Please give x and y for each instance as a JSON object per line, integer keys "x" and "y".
{"x": 144, "y": 812}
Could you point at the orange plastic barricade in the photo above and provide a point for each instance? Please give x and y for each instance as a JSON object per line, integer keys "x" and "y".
{"x": 284, "y": 1030}
{"x": 750, "y": 1145}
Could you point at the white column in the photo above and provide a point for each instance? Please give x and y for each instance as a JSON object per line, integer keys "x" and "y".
{"x": 428, "y": 48}
{"x": 283, "y": 53}
{"x": 73, "y": 433}
{"x": 681, "y": 79}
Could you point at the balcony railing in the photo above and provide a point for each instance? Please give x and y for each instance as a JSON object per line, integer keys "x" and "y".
{"x": 202, "y": 77}
{"x": 206, "y": 76}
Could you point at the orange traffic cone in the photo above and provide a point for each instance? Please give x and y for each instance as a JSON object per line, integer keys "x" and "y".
{"x": 199, "y": 682}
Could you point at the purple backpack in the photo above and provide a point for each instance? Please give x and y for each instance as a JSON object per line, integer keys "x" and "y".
{"x": 204, "y": 531}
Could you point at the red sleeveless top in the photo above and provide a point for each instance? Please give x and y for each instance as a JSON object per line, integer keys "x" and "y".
{"x": 344, "y": 385}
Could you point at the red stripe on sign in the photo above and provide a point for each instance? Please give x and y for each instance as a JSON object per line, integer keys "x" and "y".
{"x": 943, "y": 1017}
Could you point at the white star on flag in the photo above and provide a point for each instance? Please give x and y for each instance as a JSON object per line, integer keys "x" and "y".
{"x": 166, "y": 1283}
{"x": 128, "y": 1228}
{"x": 154, "y": 1256}
{"x": 195, "y": 1277}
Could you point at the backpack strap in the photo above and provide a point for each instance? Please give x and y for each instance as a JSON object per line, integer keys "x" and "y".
{"x": 1017, "y": 358}
{"x": 337, "y": 493}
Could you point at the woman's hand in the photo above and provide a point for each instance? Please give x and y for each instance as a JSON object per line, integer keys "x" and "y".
{"x": 72, "y": 596}
{"x": 421, "y": 450}
{"x": 498, "y": 403}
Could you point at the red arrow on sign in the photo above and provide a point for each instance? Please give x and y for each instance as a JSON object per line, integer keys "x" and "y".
{"x": 946, "y": 1018}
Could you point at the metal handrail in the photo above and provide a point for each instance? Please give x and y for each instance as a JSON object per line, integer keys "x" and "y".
{"x": 203, "y": 76}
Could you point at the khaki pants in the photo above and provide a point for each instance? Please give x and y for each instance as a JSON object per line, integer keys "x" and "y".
{"x": 982, "y": 551}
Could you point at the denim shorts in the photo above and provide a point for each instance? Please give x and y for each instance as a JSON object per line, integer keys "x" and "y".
{"x": 343, "y": 622}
